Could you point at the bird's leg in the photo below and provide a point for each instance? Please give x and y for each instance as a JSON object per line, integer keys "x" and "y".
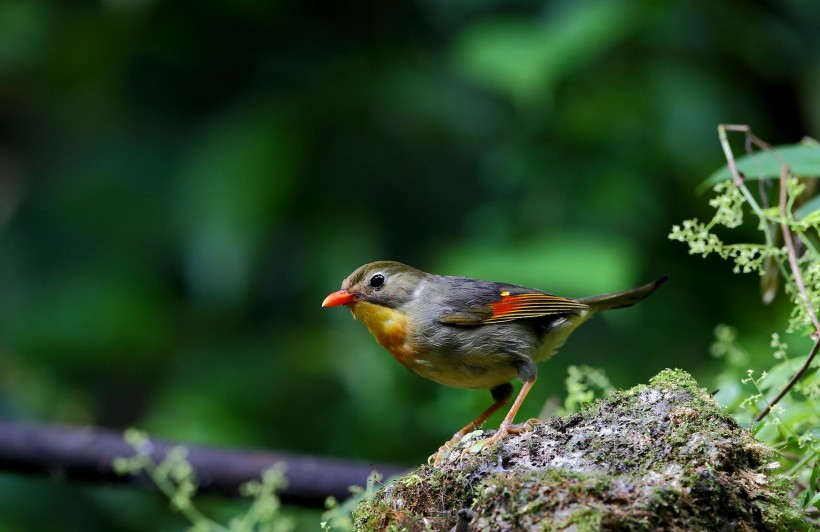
{"x": 501, "y": 394}
{"x": 507, "y": 426}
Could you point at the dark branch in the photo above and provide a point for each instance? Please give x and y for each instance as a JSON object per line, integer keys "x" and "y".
{"x": 789, "y": 385}
{"x": 86, "y": 453}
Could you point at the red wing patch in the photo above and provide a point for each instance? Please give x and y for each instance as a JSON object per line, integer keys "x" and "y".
{"x": 531, "y": 305}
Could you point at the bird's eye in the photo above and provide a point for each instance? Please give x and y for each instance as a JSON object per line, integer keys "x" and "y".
{"x": 377, "y": 281}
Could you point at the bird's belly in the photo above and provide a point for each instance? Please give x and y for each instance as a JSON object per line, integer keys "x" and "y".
{"x": 461, "y": 376}
{"x": 472, "y": 357}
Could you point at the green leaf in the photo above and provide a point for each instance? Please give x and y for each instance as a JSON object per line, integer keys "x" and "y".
{"x": 803, "y": 159}
{"x": 815, "y": 473}
{"x": 781, "y": 373}
{"x": 811, "y": 207}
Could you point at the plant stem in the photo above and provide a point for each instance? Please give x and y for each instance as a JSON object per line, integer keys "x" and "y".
{"x": 787, "y": 238}
{"x": 737, "y": 177}
{"x": 796, "y": 377}
{"x": 801, "y": 463}
{"x": 801, "y": 286}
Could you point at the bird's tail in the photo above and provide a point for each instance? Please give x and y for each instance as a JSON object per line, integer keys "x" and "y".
{"x": 622, "y": 299}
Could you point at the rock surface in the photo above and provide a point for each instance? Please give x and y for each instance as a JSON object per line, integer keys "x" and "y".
{"x": 656, "y": 457}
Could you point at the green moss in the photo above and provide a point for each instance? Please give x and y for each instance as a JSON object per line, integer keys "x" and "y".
{"x": 659, "y": 455}
{"x": 583, "y": 519}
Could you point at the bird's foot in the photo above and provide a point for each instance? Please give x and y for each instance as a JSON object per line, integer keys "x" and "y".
{"x": 503, "y": 431}
{"x": 524, "y": 426}
{"x": 436, "y": 458}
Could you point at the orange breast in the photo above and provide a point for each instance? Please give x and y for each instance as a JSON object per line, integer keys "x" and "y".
{"x": 388, "y": 327}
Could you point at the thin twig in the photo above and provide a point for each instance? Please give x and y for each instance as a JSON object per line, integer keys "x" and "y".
{"x": 796, "y": 377}
{"x": 737, "y": 176}
{"x": 787, "y": 238}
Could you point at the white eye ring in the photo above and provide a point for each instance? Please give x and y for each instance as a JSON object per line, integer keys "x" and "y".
{"x": 377, "y": 281}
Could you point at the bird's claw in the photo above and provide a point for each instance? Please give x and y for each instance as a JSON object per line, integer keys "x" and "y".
{"x": 437, "y": 457}
{"x": 524, "y": 426}
{"x": 502, "y": 432}
{"x": 477, "y": 447}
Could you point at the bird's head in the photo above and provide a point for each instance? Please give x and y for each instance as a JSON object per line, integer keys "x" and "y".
{"x": 385, "y": 283}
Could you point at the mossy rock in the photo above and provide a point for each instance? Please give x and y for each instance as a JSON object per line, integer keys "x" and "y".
{"x": 655, "y": 457}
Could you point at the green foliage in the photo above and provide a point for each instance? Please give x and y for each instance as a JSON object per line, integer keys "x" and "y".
{"x": 702, "y": 240}
{"x": 338, "y": 516}
{"x": 176, "y": 479}
{"x": 780, "y": 402}
{"x": 584, "y": 385}
{"x": 803, "y": 160}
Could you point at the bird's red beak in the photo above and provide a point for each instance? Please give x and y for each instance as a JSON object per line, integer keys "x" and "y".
{"x": 342, "y": 297}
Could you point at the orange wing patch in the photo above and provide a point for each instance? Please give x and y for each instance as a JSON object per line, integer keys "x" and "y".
{"x": 531, "y": 305}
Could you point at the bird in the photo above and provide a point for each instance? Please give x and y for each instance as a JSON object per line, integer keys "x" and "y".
{"x": 468, "y": 333}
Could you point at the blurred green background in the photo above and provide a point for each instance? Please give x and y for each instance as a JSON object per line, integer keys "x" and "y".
{"x": 182, "y": 183}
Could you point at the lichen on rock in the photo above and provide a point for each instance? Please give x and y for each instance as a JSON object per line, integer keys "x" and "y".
{"x": 660, "y": 456}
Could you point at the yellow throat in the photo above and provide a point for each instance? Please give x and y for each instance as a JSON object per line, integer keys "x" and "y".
{"x": 388, "y": 327}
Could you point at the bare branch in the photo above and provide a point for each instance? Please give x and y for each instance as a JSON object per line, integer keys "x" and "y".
{"x": 87, "y": 453}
